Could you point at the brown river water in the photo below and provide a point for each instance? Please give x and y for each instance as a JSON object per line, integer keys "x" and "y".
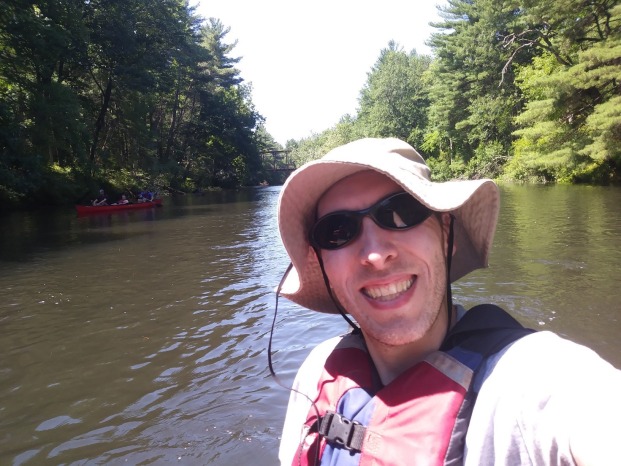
{"x": 140, "y": 337}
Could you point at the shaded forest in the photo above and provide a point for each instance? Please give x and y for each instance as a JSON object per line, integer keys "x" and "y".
{"x": 120, "y": 94}
{"x": 134, "y": 94}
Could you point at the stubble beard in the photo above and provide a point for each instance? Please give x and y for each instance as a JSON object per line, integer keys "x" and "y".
{"x": 406, "y": 330}
{"x": 395, "y": 333}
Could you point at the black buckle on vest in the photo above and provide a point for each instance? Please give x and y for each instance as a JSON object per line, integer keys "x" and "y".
{"x": 342, "y": 431}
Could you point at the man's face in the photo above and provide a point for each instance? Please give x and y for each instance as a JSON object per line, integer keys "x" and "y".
{"x": 392, "y": 282}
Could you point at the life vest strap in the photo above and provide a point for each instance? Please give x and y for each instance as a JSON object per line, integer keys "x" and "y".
{"x": 344, "y": 432}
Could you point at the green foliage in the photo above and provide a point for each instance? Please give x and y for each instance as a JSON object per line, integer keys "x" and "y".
{"x": 571, "y": 124}
{"x": 395, "y": 97}
{"x": 314, "y": 147}
{"x": 473, "y": 95}
{"x": 443, "y": 169}
{"x": 488, "y": 161}
{"x": 604, "y": 127}
{"x": 111, "y": 86}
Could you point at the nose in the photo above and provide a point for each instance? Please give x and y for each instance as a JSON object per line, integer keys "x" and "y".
{"x": 377, "y": 249}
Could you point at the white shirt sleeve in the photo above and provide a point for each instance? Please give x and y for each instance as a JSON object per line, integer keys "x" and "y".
{"x": 532, "y": 397}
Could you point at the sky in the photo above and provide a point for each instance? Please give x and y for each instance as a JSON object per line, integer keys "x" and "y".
{"x": 307, "y": 61}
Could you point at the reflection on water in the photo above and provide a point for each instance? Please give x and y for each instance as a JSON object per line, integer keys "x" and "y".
{"x": 139, "y": 337}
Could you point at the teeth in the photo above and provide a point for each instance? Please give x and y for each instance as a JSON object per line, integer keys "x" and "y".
{"x": 388, "y": 292}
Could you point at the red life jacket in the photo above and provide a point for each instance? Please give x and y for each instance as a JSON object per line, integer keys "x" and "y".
{"x": 421, "y": 417}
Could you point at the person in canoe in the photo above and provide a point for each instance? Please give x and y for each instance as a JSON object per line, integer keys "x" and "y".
{"x": 145, "y": 196}
{"x": 101, "y": 199}
{"x": 419, "y": 379}
{"x": 122, "y": 201}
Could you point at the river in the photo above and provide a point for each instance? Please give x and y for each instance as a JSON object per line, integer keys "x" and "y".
{"x": 140, "y": 337}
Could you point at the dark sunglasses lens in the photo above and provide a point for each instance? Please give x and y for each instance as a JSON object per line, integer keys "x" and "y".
{"x": 396, "y": 212}
{"x": 336, "y": 230}
{"x": 401, "y": 211}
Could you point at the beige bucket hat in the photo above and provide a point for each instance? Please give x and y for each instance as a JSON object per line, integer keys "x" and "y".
{"x": 474, "y": 203}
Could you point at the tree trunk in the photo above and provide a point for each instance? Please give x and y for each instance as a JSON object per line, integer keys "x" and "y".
{"x": 101, "y": 119}
{"x": 173, "y": 124}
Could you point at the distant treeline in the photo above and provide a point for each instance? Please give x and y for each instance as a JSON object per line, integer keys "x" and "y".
{"x": 520, "y": 90}
{"x": 127, "y": 94}
{"x": 118, "y": 94}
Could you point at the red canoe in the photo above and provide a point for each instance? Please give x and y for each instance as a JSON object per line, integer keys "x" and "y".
{"x": 100, "y": 209}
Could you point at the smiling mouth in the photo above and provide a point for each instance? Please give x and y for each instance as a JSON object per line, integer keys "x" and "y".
{"x": 388, "y": 292}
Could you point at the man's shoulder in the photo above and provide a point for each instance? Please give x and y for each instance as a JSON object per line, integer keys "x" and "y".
{"x": 546, "y": 347}
{"x": 547, "y": 358}
{"x": 321, "y": 351}
{"x": 531, "y": 392}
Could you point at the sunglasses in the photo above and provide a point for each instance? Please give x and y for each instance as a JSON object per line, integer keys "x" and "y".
{"x": 398, "y": 211}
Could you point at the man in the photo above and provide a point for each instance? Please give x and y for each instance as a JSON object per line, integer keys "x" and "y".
{"x": 101, "y": 199}
{"x": 420, "y": 380}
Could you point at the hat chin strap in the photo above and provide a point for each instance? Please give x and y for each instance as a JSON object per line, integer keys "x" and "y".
{"x": 329, "y": 288}
{"x": 449, "y": 258}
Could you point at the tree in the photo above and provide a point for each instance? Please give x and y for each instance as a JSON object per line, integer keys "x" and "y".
{"x": 42, "y": 48}
{"x": 223, "y": 130}
{"x": 473, "y": 95}
{"x": 571, "y": 128}
{"x": 136, "y": 50}
{"x": 131, "y": 90}
{"x": 395, "y": 97}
